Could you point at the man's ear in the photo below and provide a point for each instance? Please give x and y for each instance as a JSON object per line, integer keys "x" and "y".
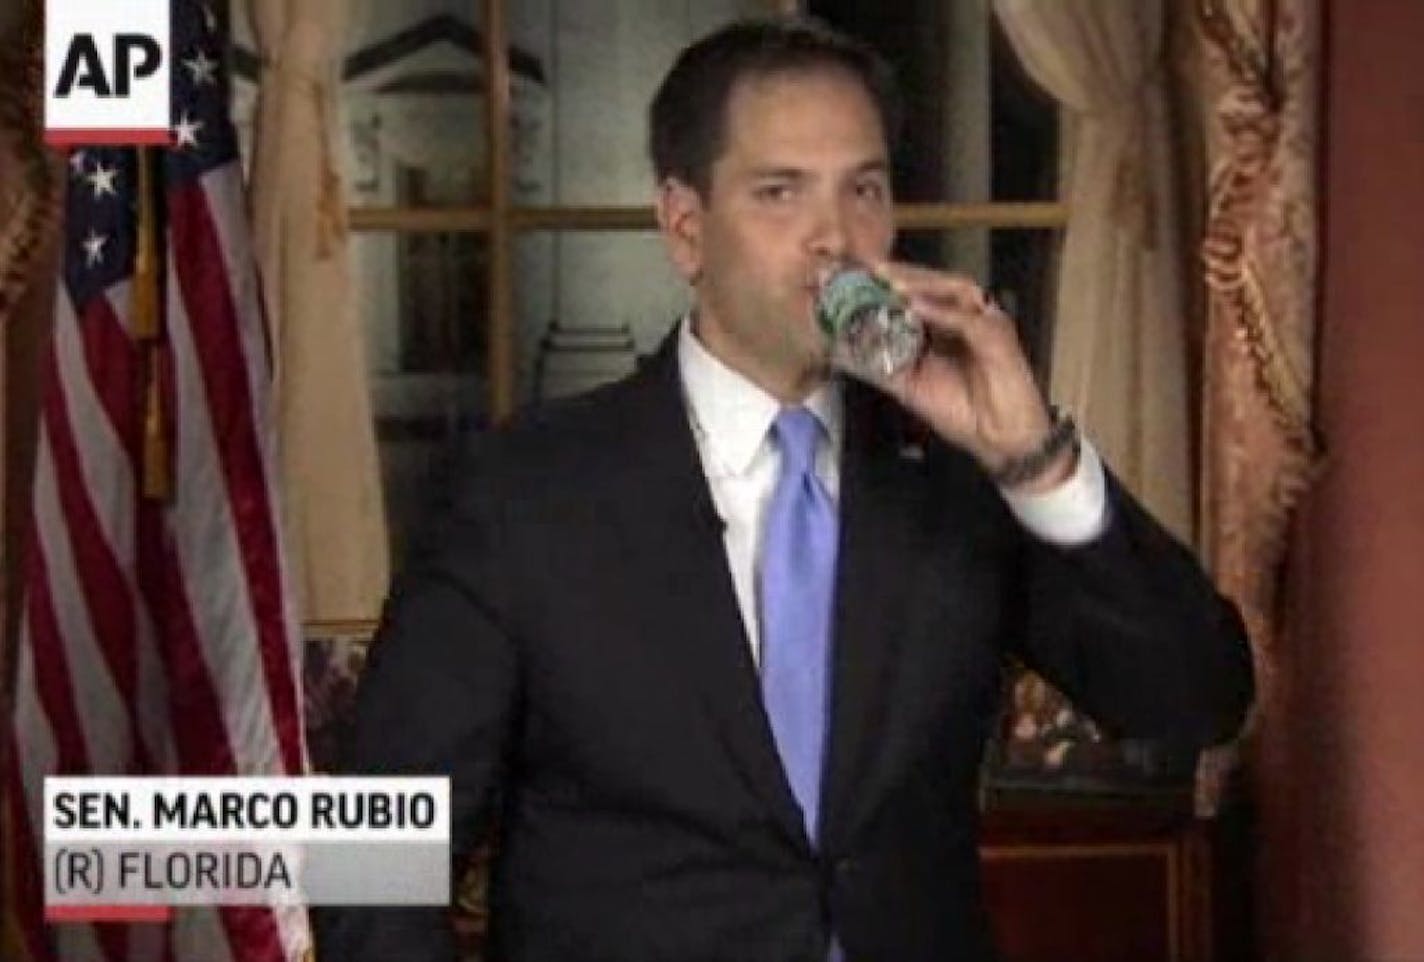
{"x": 679, "y": 210}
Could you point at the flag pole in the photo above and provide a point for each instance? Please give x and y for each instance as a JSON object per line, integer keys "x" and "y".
{"x": 148, "y": 330}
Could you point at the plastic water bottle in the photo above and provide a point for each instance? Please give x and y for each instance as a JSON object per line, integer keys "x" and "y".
{"x": 872, "y": 332}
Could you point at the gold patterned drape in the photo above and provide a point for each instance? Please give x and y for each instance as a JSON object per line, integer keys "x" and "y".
{"x": 30, "y": 194}
{"x": 1259, "y": 450}
{"x": 29, "y": 191}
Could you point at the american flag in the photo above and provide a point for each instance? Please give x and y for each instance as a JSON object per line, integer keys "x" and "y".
{"x": 157, "y": 634}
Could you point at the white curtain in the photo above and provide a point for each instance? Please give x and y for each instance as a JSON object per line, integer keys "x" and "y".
{"x": 1119, "y": 350}
{"x": 334, "y": 515}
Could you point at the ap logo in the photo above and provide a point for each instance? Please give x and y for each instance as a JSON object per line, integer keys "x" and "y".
{"x": 107, "y": 72}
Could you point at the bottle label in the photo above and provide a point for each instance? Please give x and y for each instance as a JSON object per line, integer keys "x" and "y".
{"x": 847, "y": 294}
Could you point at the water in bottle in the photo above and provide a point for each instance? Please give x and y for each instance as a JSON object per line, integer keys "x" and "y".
{"x": 872, "y": 331}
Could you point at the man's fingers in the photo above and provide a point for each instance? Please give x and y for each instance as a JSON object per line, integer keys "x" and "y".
{"x": 908, "y": 382}
{"x": 937, "y": 317}
{"x": 952, "y": 306}
{"x": 911, "y": 281}
{"x": 969, "y": 324}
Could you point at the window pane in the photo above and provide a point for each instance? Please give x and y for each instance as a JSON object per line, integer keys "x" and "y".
{"x": 588, "y": 304}
{"x": 412, "y": 101}
{"x": 975, "y": 127}
{"x": 423, "y": 301}
{"x": 1017, "y": 266}
{"x": 603, "y": 62}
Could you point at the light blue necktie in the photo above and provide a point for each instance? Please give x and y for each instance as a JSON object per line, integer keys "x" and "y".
{"x": 797, "y": 582}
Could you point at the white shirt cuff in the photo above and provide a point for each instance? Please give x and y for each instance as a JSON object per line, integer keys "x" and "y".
{"x": 1073, "y": 513}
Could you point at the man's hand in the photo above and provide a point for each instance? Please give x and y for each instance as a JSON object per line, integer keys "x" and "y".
{"x": 973, "y": 385}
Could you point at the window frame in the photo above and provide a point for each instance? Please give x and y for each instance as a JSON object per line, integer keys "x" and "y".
{"x": 501, "y": 221}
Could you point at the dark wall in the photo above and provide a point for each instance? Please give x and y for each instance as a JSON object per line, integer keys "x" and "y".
{"x": 1350, "y": 884}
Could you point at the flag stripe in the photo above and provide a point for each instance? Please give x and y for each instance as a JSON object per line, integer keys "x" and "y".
{"x": 52, "y": 671}
{"x": 203, "y": 538}
{"x": 147, "y": 943}
{"x": 62, "y": 634}
{"x": 103, "y": 715}
{"x": 217, "y": 340}
{"x": 159, "y": 687}
{"x": 155, "y": 720}
{"x": 199, "y": 934}
{"x": 200, "y": 737}
{"x": 253, "y": 928}
{"x": 98, "y": 364}
{"x": 112, "y": 365}
{"x": 79, "y": 943}
{"x": 113, "y": 944}
{"x": 95, "y": 358}
{"x": 38, "y": 747}
{"x": 225, "y": 192}
{"x": 89, "y": 579}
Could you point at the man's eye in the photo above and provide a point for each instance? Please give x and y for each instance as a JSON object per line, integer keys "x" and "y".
{"x": 871, "y": 190}
{"x": 774, "y": 193}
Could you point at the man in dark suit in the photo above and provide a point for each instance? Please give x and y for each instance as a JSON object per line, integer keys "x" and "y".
{"x": 712, "y": 647}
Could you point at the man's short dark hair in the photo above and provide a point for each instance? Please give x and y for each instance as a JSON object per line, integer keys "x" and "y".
{"x": 688, "y": 116}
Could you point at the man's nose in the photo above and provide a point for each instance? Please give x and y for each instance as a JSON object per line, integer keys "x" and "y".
{"x": 830, "y": 235}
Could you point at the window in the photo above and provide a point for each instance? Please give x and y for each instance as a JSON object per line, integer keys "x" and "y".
{"x": 494, "y": 158}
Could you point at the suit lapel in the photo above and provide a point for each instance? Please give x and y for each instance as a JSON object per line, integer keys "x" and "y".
{"x": 882, "y": 494}
{"x": 675, "y": 540}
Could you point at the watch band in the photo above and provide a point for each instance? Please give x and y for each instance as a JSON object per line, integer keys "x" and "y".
{"x": 1025, "y": 467}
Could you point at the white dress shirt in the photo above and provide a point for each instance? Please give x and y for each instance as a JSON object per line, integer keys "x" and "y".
{"x": 731, "y": 421}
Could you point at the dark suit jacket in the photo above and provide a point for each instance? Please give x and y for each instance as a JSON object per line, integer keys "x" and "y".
{"x": 567, "y": 646}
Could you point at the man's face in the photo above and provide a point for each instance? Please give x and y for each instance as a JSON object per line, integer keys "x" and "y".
{"x": 802, "y": 182}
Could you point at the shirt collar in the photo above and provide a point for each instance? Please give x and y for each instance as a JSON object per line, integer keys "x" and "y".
{"x": 734, "y": 414}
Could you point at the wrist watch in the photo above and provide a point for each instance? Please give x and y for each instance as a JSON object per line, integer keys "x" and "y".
{"x": 1062, "y": 434}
